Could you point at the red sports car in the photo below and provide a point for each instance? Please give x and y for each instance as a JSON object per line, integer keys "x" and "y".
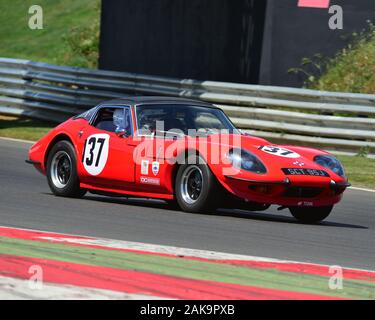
{"x": 188, "y": 153}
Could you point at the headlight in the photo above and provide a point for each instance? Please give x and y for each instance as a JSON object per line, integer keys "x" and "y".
{"x": 245, "y": 160}
{"x": 331, "y": 163}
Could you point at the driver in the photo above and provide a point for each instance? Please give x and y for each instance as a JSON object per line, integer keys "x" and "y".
{"x": 121, "y": 120}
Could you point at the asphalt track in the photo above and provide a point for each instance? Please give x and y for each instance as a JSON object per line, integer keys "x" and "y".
{"x": 346, "y": 238}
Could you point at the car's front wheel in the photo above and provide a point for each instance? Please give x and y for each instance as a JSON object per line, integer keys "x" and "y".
{"x": 310, "y": 214}
{"x": 62, "y": 174}
{"x": 196, "y": 188}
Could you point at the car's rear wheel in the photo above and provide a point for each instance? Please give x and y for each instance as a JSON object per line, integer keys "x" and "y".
{"x": 196, "y": 187}
{"x": 62, "y": 174}
{"x": 310, "y": 214}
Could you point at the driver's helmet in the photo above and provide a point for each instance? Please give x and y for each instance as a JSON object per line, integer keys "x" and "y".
{"x": 118, "y": 119}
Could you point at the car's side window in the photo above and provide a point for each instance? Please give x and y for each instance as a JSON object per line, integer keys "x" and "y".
{"x": 114, "y": 119}
{"x": 87, "y": 115}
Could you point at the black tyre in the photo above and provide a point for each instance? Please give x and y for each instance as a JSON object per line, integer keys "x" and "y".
{"x": 62, "y": 171}
{"x": 310, "y": 215}
{"x": 196, "y": 188}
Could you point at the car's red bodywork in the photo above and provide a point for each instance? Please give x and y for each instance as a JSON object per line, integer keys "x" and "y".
{"x": 122, "y": 175}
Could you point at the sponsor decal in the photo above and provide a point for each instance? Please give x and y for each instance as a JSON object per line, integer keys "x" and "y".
{"x": 298, "y": 163}
{"x": 95, "y": 153}
{"x": 144, "y": 167}
{"x": 280, "y": 152}
{"x": 152, "y": 181}
{"x": 304, "y": 172}
{"x": 155, "y": 168}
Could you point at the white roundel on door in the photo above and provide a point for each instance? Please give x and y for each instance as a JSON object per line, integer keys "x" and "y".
{"x": 280, "y": 152}
{"x": 95, "y": 154}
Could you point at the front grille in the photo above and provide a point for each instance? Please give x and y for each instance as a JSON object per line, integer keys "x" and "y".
{"x": 302, "y": 192}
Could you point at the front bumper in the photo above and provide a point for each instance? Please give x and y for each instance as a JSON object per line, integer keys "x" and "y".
{"x": 287, "y": 192}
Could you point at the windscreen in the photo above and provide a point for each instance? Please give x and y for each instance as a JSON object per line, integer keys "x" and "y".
{"x": 187, "y": 119}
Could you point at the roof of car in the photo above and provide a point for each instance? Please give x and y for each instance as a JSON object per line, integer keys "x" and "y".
{"x": 139, "y": 100}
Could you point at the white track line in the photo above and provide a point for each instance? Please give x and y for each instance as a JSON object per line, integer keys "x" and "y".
{"x": 362, "y": 189}
{"x": 154, "y": 248}
{"x": 177, "y": 251}
{"x": 147, "y": 247}
{"x": 17, "y": 140}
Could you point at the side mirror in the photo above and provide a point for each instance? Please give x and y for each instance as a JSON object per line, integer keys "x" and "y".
{"x": 121, "y": 133}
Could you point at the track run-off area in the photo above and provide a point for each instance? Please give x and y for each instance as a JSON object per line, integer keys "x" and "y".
{"x": 133, "y": 248}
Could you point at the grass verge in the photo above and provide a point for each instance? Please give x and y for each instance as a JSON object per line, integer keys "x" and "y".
{"x": 360, "y": 170}
{"x": 23, "y": 128}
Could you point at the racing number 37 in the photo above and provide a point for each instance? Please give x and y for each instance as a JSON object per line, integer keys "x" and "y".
{"x": 280, "y": 152}
{"x": 95, "y": 153}
{"x": 92, "y": 142}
